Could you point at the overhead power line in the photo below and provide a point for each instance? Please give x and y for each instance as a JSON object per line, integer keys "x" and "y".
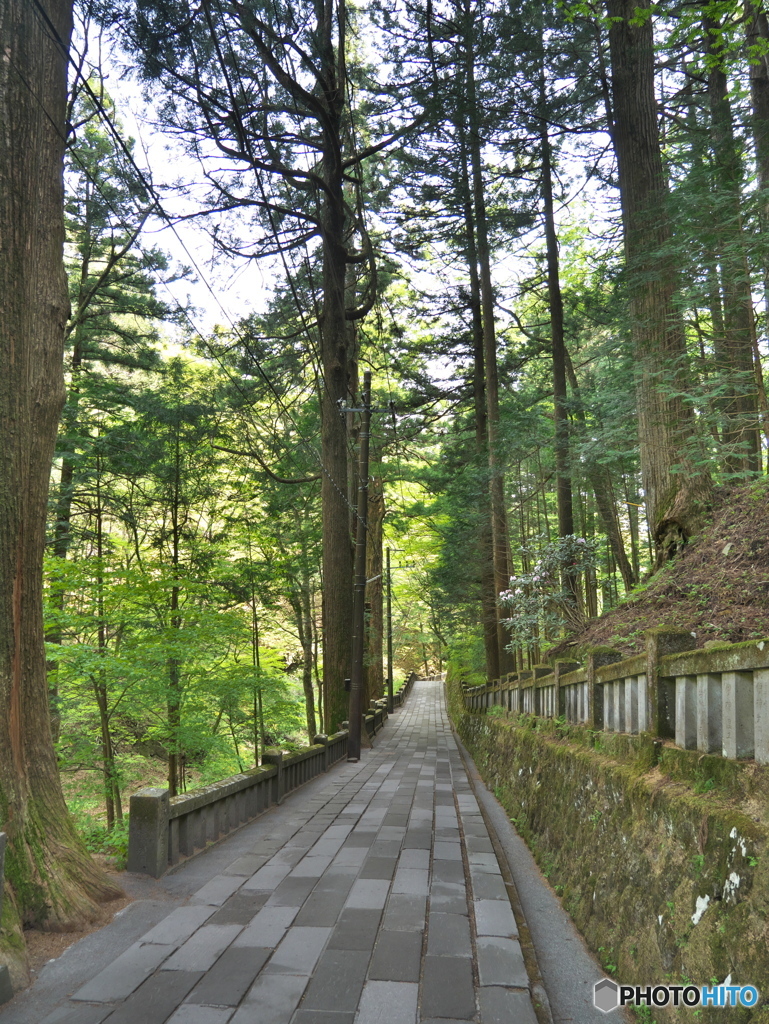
{"x": 157, "y": 204}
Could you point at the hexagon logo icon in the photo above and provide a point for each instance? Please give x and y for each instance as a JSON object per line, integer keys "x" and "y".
{"x": 606, "y": 995}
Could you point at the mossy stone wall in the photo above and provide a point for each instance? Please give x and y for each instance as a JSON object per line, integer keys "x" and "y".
{"x": 660, "y": 858}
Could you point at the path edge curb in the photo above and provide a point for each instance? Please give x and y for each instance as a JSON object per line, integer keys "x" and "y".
{"x": 539, "y": 997}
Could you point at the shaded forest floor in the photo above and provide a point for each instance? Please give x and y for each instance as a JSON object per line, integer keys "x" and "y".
{"x": 717, "y": 588}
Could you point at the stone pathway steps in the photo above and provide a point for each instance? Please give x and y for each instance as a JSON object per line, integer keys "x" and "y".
{"x": 379, "y": 900}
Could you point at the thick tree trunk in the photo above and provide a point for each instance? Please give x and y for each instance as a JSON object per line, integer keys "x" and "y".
{"x": 335, "y": 358}
{"x": 757, "y": 36}
{"x": 54, "y": 881}
{"x": 555, "y": 300}
{"x": 733, "y": 347}
{"x": 489, "y": 611}
{"x": 499, "y": 530}
{"x": 675, "y": 488}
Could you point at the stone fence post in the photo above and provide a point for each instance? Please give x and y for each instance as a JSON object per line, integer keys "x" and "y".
{"x": 661, "y": 694}
{"x": 596, "y": 658}
{"x": 275, "y": 756}
{"x": 148, "y": 832}
{"x": 561, "y": 668}
{"x": 323, "y": 738}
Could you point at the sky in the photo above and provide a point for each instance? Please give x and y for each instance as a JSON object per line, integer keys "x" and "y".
{"x": 222, "y": 292}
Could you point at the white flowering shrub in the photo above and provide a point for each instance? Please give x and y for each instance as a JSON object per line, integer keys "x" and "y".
{"x": 542, "y": 603}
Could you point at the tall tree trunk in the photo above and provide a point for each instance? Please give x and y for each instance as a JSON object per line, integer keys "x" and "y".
{"x": 174, "y": 699}
{"x": 300, "y": 600}
{"x": 757, "y": 37}
{"x": 733, "y": 349}
{"x": 499, "y": 531}
{"x": 489, "y": 611}
{"x": 112, "y": 800}
{"x": 307, "y": 682}
{"x": 560, "y": 407}
{"x": 53, "y": 879}
{"x": 335, "y": 359}
{"x": 675, "y": 488}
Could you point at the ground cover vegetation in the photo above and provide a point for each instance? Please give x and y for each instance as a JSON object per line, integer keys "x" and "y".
{"x": 540, "y": 226}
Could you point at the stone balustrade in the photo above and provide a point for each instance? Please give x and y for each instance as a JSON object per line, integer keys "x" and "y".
{"x": 163, "y": 830}
{"x": 715, "y": 700}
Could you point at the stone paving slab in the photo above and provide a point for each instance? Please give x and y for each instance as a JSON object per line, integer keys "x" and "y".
{"x": 79, "y": 1013}
{"x": 157, "y": 999}
{"x": 187, "y": 1013}
{"x": 201, "y": 951}
{"x": 124, "y": 974}
{"x": 231, "y": 976}
{"x": 378, "y": 900}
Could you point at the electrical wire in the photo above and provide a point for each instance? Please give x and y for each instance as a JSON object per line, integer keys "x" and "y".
{"x": 151, "y": 192}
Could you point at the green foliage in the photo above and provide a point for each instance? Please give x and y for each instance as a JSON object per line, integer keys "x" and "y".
{"x": 185, "y": 576}
{"x": 112, "y": 843}
{"x": 541, "y": 601}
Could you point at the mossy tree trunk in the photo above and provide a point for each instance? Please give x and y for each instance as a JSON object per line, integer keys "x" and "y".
{"x": 54, "y": 881}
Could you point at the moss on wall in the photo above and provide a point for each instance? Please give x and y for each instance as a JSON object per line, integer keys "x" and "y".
{"x": 662, "y": 862}
{"x": 13, "y": 950}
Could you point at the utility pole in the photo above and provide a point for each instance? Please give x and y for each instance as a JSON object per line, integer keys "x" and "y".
{"x": 258, "y": 713}
{"x": 359, "y": 593}
{"x": 389, "y": 639}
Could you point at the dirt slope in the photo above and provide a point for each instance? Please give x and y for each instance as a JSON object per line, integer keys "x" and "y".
{"x": 718, "y": 588}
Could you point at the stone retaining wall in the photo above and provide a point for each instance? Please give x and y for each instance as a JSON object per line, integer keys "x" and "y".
{"x": 659, "y": 854}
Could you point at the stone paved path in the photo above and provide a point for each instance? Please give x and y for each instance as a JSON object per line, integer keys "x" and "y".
{"x": 379, "y": 902}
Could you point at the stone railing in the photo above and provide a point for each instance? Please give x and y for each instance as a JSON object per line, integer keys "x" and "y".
{"x": 400, "y": 697}
{"x": 714, "y": 700}
{"x": 164, "y": 830}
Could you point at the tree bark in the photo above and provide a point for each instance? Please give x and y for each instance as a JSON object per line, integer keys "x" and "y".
{"x": 555, "y": 299}
{"x": 54, "y": 881}
{"x": 112, "y": 799}
{"x": 300, "y": 600}
{"x": 756, "y": 34}
{"x": 336, "y": 360}
{"x": 733, "y": 347}
{"x": 489, "y": 611}
{"x": 675, "y": 488}
{"x": 499, "y": 529}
